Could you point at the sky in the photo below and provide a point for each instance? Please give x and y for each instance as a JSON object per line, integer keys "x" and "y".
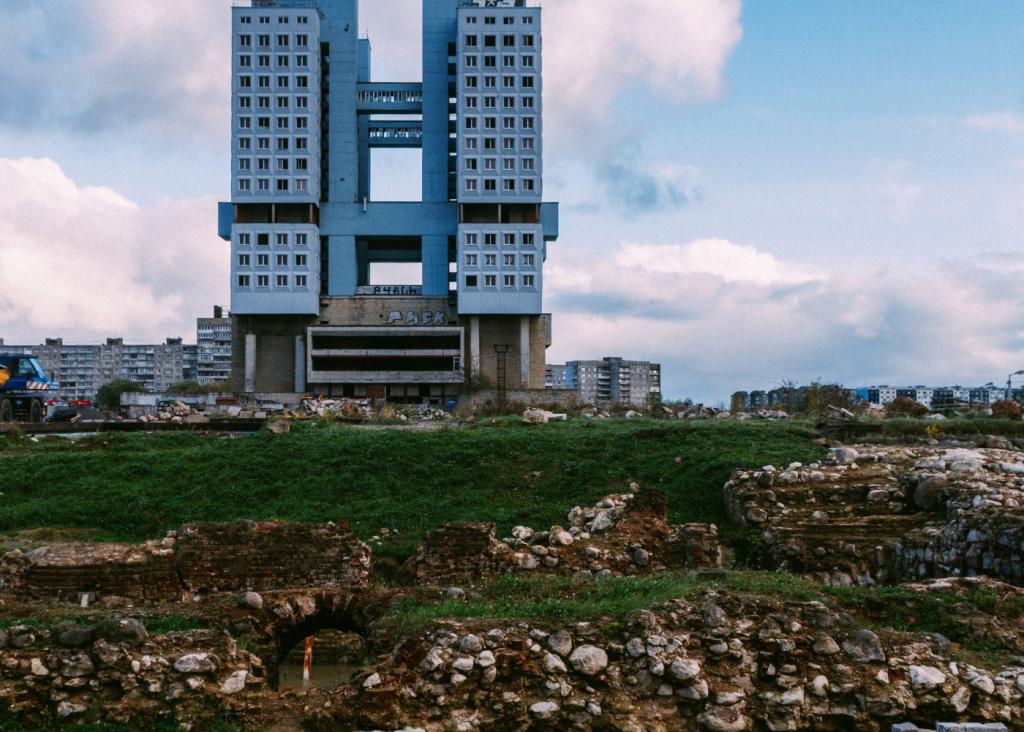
{"x": 751, "y": 192}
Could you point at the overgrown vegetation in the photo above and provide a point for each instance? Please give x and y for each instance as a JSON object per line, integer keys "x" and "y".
{"x": 108, "y": 396}
{"x": 138, "y": 486}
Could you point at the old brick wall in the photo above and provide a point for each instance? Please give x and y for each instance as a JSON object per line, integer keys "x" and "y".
{"x": 199, "y": 558}
{"x": 140, "y": 572}
{"x": 261, "y": 555}
{"x": 459, "y": 552}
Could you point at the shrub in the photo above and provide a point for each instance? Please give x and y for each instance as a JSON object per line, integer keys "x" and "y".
{"x": 109, "y": 395}
{"x": 905, "y": 407}
{"x": 1007, "y": 410}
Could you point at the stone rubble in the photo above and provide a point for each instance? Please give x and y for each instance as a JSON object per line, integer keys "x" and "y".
{"x": 716, "y": 662}
{"x": 622, "y": 534}
{"x": 889, "y": 514}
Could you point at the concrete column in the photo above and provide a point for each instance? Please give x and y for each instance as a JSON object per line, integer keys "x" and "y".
{"x": 434, "y": 250}
{"x": 342, "y": 266}
{"x": 250, "y": 362}
{"x": 300, "y": 364}
{"x": 524, "y": 352}
{"x": 474, "y": 351}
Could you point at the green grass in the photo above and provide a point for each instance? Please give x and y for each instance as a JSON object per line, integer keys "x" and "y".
{"x": 561, "y": 600}
{"x": 133, "y": 487}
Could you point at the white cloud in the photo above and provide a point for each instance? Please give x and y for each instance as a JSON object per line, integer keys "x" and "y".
{"x": 86, "y": 263}
{"x": 716, "y": 257}
{"x": 594, "y": 51}
{"x": 721, "y": 317}
{"x": 108, "y": 65}
{"x": 997, "y": 122}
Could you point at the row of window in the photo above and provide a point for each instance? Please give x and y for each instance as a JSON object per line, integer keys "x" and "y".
{"x": 264, "y": 102}
{"x": 507, "y": 281}
{"x": 283, "y": 40}
{"x": 283, "y": 144}
{"x": 508, "y": 81}
{"x": 281, "y": 185}
{"x": 283, "y": 61}
{"x": 490, "y": 239}
{"x": 281, "y": 238}
{"x": 506, "y": 20}
{"x": 491, "y": 123}
{"x": 507, "y": 164}
{"x": 507, "y": 103}
{"x": 280, "y": 281}
{"x": 491, "y": 143}
{"x": 280, "y": 260}
{"x": 283, "y": 82}
{"x": 265, "y": 123}
{"x": 507, "y": 260}
{"x": 508, "y": 185}
{"x": 490, "y": 40}
{"x": 284, "y": 165}
{"x": 508, "y": 61}
{"x": 281, "y": 19}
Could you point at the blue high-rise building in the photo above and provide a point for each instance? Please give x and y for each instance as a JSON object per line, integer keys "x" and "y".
{"x": 305, "y": 231}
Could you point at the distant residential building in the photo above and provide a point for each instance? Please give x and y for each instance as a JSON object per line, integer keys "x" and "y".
{"x": 213, "y": 348}
{"x": 612, "y": 380}
{"x": 940, "y": 395}
{"x": 554, "y": 376}
{"x": 82, "y": 369}
{"x": 881, "y": 395}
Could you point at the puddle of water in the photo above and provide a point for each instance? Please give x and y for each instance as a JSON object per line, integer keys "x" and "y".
{"x": 325, "y": 676}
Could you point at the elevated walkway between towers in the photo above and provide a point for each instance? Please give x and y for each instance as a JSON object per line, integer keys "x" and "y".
{"x": 389, "y": 98}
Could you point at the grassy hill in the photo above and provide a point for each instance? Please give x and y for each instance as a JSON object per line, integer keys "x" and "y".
{"x": 129, "y": 487}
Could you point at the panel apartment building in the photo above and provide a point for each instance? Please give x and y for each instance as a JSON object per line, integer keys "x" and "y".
{"x": 612, "y": 380}
{"x": 305, "y": 232}
{"x": 81, "y": 369}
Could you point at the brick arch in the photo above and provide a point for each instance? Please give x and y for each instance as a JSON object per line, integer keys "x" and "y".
{"x": 288, "y": 617}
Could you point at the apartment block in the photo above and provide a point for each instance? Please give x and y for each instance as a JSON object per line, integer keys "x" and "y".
{"x": 612, "y": 380}
{"x": 82, "y": 369}
{"x": 213, "y": 348}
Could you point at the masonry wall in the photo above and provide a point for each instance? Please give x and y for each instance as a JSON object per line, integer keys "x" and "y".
{"x": 505, "y": 330}
{"x": 275, "y": 350}
{"x": 199, "y": 558}
{"x": 261, "y": 555}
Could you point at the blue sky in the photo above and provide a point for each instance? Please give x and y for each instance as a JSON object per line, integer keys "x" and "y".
{"x": 750, "y": 192}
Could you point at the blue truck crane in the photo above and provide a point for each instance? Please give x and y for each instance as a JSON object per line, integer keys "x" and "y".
{"x": 23, "y": 389}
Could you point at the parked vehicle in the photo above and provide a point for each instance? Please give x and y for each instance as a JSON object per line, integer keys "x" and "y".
{"x": 24, "y": 389}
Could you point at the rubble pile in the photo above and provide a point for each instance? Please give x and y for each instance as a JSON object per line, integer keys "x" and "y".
{"x": 177, "y": 413}
{"x": 888, "y": 514}
{"x": 117, "y": 672}
{"x": 197, "y": 558}
{"x": 623, "y": 534}
{"x": 718, "y": 662}
{"x": 329, "y": 407}
{"x": 423, "y": 413}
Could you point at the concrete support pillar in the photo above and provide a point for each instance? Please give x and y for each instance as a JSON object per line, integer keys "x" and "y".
{"x": 342, "y": 266}
{"x": 524, "y": 352}
{"x": 250, "y": 362}
{"x": 474, "y": 351}
{"x": 434, "y": 251}
{"x": 300, "y": 364}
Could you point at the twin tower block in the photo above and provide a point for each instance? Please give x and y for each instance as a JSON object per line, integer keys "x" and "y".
{"x": 305, "y": 232}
